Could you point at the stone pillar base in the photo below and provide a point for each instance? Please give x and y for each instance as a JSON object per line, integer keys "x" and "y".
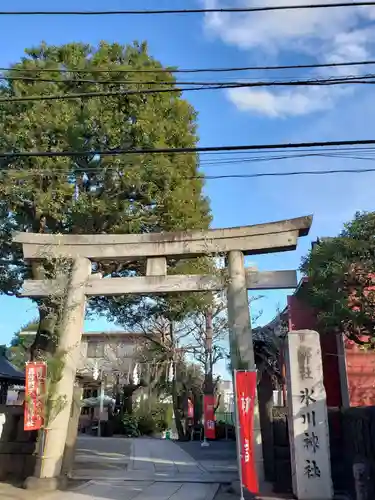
{"x": 45, "y": 483}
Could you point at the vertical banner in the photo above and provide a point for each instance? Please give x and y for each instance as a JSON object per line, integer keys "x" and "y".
{"x": 245, "y": 397}
{"x": 209, "y": 416}
{"x": 35, "y": 386}
{"x": 190, "y": 409}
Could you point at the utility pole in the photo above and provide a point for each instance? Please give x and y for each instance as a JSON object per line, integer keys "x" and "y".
{"x": 208, "y": 376}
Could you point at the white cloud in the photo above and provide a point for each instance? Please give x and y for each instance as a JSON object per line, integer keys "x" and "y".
{"x": 281, "y": 104}
{"x": 324, "y": 35}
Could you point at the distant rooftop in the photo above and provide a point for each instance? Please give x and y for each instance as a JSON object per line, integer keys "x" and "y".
{"x": 9, "y": 372}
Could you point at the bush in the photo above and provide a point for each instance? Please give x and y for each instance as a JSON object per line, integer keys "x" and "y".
{"x": 163, "y": 415}
{"x": 146, "y": 425}
{"x": 130, "y": 425}
{"x": 157, "y": 418}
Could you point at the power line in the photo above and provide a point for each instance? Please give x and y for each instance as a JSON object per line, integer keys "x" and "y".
{"x": 185, "y": 11}
{"x": 192, "y": 70}
{"x": 257, "y": 159}
{"x": 288, "y": 174}
{"x": 288, "y": 81}
{"x": 231, "y": 161}
{"x": 224, "y": 176}
{"x": 199, "y": 149}
{"x": 369, "y": 80}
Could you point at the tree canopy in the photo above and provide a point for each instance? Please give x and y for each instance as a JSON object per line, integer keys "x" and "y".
{"x": 94, "y": 193}
{"x": 341, "y": 274}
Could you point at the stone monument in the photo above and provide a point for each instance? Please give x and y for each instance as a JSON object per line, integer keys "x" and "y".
{"x": 307, "y": 417}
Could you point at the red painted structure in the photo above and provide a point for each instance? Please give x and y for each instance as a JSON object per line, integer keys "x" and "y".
{"x": 349, "y": 372}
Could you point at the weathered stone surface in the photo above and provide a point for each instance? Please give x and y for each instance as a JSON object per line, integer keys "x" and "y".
{"x": 156, "y": 266}
{"x": 300, "y": 224}
{"x": 241, "y": 342}
{"x": 257, "y": 244}
{"x": 308, "y": 419}
{"x": 69, "y": 345}
{"x": 260, "y": 238}
{"x": 156, "y": 283}
{"x": 45, "y": 483}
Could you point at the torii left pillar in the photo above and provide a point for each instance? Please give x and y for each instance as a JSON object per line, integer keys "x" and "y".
{"x": 241, "y": 341}
{"x": 48, "y": 469}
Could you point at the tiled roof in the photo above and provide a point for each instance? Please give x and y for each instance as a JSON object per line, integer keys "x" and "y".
{"x": 10, "y": 372}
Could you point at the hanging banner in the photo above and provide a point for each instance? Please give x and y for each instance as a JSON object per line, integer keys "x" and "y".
{"x": 209, "y": 416}
{"x": 35, "y": 386}
{"x": 190, "y": 409}
{"x": 245, "y": 397}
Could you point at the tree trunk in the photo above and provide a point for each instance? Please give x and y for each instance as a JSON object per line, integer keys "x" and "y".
{"x": 45, "y": 342}
{"x": 176, "y": 409}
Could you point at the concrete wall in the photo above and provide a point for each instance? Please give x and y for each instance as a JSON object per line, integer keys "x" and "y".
{"x": 17, "y": 447}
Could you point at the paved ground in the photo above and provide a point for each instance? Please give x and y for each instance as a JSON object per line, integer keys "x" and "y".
{"x": 141, "y": 469}
{"x": 146, "y": 459}
{"x": 146, "y": 469}
{"x": 102, "y": 456}
{"x": 219, "y": 456}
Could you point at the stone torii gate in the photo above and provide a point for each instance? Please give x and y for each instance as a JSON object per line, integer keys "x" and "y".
{"x": 155, "y": 248}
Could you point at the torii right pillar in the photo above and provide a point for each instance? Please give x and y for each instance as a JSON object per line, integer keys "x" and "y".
{"x": 241, "y": 341}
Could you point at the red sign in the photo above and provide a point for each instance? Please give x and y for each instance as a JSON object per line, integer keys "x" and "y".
{"x": 35, "y": 375}
{"x": 209, "y": 416}
{"x": 190, "y": 409}
{"x": 245, "y": 397}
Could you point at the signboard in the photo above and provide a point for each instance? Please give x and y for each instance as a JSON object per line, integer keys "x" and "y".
{"x": 245, "y": 382}
{"x": 209, "y": 416}
{"x": 35, "y": 375}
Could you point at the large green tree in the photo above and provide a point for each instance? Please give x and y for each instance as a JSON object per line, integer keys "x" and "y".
{"x": 93, "y": 193}
{"x": 341, "y": 274}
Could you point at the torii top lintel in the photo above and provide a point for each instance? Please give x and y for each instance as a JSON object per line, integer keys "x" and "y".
{"x": 257, "y": 239}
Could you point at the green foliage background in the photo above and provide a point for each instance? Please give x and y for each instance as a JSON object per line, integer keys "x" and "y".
{"x": 340, "y": 271}
{"x": 93, "y": 193}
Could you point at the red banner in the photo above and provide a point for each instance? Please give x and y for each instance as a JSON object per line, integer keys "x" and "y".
{"x": 35, "y": 375}
{"x": 245, "y": 397}
{"x": 209, "y": 416}
{"x": 190, "y": 409}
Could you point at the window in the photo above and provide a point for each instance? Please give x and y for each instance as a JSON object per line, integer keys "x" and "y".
{"x": 95, "y": 349}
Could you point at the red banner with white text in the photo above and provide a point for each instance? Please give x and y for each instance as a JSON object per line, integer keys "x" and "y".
{"x": 209, "y": 416}
{"x": 245, "y": 396}
{"x": 35, "y": 386}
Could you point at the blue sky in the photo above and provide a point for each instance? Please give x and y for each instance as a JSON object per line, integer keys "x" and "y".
{"x": 239, "y": 117}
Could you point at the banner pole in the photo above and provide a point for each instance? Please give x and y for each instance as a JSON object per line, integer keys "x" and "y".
{"x": 238, "y": 437}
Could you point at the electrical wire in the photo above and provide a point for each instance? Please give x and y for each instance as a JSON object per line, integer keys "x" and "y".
{"x": 209, "y": 86}
{"x": 288, "y": 174}
{"x": 199, "y": 149}
{"x": 288, "y": 81}
{"x": 187, "y": 11}
{"x": 171, "y": 69}
{"x": 100, "y": 170}
{"x": 216, "y": 177}
{"x": 230, "y": 161}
